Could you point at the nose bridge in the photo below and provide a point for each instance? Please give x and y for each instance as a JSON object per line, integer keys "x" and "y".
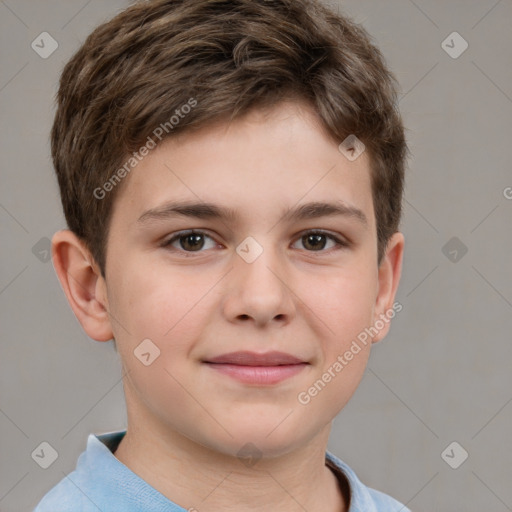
{"x": 258, "y": 289}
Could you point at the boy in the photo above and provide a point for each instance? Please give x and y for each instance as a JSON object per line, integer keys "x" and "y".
{"x": 231, "y": 174}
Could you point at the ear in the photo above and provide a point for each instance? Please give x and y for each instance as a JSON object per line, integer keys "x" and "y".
{"x": 82, "y": 283}
{"x": 390, "y": 271}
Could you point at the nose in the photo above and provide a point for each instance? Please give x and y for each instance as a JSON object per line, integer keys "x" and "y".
{"x": 259, "y": 292}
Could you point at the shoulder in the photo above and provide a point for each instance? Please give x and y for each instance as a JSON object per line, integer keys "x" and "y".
{"x": 84, "y": 488}
{"x": 384, "y": 502}
{"x": 66, "y": 497}
{"x": 363, "y": 498}
{"x": 101, "y": 483}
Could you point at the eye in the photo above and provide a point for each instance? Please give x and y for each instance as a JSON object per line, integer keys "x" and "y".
{"x": 194, "y": 241}
{"x": 317, "y": 241}
{"x": 189, "y": 241}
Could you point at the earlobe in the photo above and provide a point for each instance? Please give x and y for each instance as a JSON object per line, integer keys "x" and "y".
{"x": 390, "y": 271}
{"x": 82, "y": 283}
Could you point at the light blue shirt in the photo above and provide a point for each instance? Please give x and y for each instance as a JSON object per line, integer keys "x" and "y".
{"x": 101, "y": 482}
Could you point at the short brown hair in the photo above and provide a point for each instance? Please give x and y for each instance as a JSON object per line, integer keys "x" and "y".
{"x": 229, "y": 57}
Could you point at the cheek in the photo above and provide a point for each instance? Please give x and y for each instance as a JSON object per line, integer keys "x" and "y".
{"x": 168, "y": 310}
{"x": 334, "y": 384}
{"x": 157, "y": 303}
{"x": 345, "y": 308}
{"x": 171, "y": 309}
{"x": 342, "y": 301}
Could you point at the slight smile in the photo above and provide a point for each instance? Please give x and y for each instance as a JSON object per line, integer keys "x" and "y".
{"x": 258, "y": 369}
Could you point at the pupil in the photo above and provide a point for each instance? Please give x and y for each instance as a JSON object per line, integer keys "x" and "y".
{"x": 195, "y": 238}
{"x": 315, "y": 238}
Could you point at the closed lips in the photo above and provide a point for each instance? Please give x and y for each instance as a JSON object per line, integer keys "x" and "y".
{"x": 256, "y": 369}
{"x": 256, "y": 359}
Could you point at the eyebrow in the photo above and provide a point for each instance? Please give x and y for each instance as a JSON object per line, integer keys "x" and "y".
{"x": 212, "y": 211}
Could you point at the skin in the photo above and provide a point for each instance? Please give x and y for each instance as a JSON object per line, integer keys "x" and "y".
{"x": 187, "y": 422}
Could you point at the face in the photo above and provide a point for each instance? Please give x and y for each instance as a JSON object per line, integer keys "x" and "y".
{"x": 242, "y": 314}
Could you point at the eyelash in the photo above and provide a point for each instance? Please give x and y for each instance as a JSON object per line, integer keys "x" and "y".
{"x": 340, "y": 244}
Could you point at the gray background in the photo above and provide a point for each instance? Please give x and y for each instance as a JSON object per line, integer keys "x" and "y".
{"x": 443, "y": 373}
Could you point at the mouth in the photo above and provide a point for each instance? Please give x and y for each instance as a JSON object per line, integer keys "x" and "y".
{"x": 257, "y": 369}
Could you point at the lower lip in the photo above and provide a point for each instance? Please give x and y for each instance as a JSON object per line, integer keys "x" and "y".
{"x": 260, "y": 375}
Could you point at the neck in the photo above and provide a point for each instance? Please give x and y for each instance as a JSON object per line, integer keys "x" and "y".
{"x": 198, "y": 478}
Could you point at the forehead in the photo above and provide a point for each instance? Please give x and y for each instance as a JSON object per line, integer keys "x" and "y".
{"x": 256, "y": 167}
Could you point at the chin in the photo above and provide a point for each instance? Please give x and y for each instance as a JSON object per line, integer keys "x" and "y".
{"x": 263, "y": 439}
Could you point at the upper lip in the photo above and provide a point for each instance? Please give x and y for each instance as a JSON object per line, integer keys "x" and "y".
{"x": 245, "y": 358}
